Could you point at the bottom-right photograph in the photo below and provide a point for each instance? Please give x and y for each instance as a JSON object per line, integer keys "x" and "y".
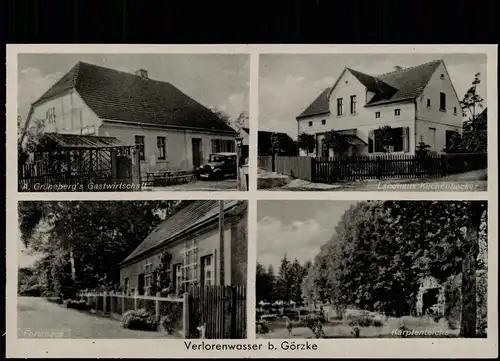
{"x": 371, "y": 269}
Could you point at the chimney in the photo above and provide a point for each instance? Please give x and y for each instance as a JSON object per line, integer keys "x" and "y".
{"x": 143, "y": 73}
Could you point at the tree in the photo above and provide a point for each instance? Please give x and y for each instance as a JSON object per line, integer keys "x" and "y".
{"x": 475, "y": 135}
{"x": 241, "y": 121}
{"x": 221, "y": 115}
{"x": 472, "y": 101}
{"x": 306, "y": 142}
{"x": 422, "y": 149}
{"x": 29, "y": 138}
{"x": 335, "y": 141}
{"x": 297, "y": 274}
{"x": 85, "y": 241}
{"x": 264, "y": 284}
{"x": 162, "y": 283}
{"x": 283, "y": 280}
{"x": 386, "y": 136}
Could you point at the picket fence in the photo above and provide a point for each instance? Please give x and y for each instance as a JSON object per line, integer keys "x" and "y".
{"x": 212, "y": 312}
{"x": 406, "y": 166}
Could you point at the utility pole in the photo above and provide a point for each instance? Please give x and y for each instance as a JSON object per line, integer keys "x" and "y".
{"x": 221, "y": 242}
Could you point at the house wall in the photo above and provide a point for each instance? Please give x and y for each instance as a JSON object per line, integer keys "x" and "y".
{"x": 207, "y": 241}
{"x": 432, "y": 117}
{"x": 179, "y": 154}
{"x": 72, "y": 115}
{"x": 364, "y": 120}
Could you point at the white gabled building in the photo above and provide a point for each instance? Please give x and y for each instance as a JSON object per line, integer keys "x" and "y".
{"x": 419, "y": 103}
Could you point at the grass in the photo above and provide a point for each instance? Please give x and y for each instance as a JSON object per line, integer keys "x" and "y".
{"x": 340, "y": 329}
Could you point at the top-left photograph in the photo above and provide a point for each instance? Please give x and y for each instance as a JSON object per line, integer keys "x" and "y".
{"x": 133, "y": 122}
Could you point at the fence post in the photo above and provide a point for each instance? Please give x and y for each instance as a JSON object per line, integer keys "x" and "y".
{"x": 157, "y": 307}
{"x": 104, "y": 301}
{"x": 185, "y": 315}
{"x": 443, "y": 164}
{"x": 273, "y": 162}
{"x": 123, "y": 302}
{"x": 135, "y": 299}
{"x": 313, "y": 169}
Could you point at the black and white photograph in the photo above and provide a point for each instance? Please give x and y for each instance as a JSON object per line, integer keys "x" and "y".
{"x": 163, "y": 269}
{"x": 133, "y": 122}
{"x": 372, "y": 122}
{"x": 371, "y": 269}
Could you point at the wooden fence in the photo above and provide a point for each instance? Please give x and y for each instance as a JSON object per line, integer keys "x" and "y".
{"x": 405, "y": 166}
{"x": 220, "y": 310}
{"x": 117, "y": 304}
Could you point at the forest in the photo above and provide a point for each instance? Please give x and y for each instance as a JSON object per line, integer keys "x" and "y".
{"x": 379, "y": 252}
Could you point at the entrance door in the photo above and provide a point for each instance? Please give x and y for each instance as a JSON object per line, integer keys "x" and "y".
{"x": 197, "y": 156}
{"x": 140, "y": 287}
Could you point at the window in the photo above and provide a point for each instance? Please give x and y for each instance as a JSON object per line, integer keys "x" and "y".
{"x": 310, "y": 124}
{"x": 353, "y": 104}
{"x": 442, "y": 101}
{"x": 177, "y": 276}
{"x": 190, "y": 265}
{"x": 400, "y": 141}
{"x": 442, "y": 76}
{"x": 323, "y": 121}
{"x": 139, "y": 142}
{"x": 50, "y": 115}
{"x": 207, "y": 270}
{"x": 160, "y": 143}
{"x": 223, "y": 145}
{"x": 397, "y": 112}
{"x": 377, "y": 115}
{"x": 148, "y": 278}
{"x": 428, "y": 103}
{"x": 88, "y": 130}
{"x": 340, "y": 106}
{"x": 454, "y": 110}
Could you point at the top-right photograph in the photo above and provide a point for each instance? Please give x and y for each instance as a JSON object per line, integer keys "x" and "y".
{"x": 373, "y": 122}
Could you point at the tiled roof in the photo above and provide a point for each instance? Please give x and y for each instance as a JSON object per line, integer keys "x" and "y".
{"x": 318, "y": 106}
{"x": 397, "y": 86}
{"x": 187, "y": 218}
{"x": 121, "y": 96}
{"x": 72, "y": 141}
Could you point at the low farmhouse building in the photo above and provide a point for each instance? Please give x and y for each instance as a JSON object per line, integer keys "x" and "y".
{"x": 419, "y": 103}
{"x": 202, "y": 251}
{"x": 170, "y": 130}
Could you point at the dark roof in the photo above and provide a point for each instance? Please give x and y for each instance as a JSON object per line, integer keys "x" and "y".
{"x": 400, "y": 85}
{"x": 72, "y": 141}
{"x": 186, "y": 219}
{"x": 318, "y": 106}
{"x": 121, "y": 96}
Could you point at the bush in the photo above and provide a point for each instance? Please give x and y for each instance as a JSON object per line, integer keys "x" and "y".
{"x": 261, "y": 327}
{"x": 363, "y": 320}
{"x": 78, "y": 305}
{"x": 167, "y": 324}
{"x": 139, "y": 320}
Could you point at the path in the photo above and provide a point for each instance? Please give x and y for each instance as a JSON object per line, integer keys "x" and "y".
{"x": 463, "y": 182}
{"x": 201, "y": 186}
{"x": 39, "y": 315}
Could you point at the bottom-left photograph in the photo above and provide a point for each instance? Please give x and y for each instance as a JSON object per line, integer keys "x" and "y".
{"x": 170, "y": 269}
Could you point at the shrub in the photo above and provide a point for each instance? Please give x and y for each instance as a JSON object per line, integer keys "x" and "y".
{"x": 261, "y": 327}
{"x": 167, "y": 324}
{"x": 315, "y": 323}
{"x": 139, "y": 320}
{"x": 78, "y": 305}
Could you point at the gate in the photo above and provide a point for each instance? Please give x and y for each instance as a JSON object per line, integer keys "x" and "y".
{"x": 221, "y": 309}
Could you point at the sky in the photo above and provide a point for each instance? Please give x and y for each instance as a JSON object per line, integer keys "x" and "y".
{"x": 214, "y": 80}
{"x": 295, "y": 227}
{"x": 290, "y": 82}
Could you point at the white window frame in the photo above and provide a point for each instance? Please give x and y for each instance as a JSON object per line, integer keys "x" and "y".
{"x": 148, "y": 278}
{"x": 207, "y": 268}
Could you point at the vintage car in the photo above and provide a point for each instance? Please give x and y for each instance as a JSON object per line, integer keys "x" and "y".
{"x": 219, "y": 166}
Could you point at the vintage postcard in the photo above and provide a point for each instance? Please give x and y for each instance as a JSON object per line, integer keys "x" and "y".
{"x": 373, "y": 122}
{"x": 132, "y": 122}
{"x": 138, "y": 222}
